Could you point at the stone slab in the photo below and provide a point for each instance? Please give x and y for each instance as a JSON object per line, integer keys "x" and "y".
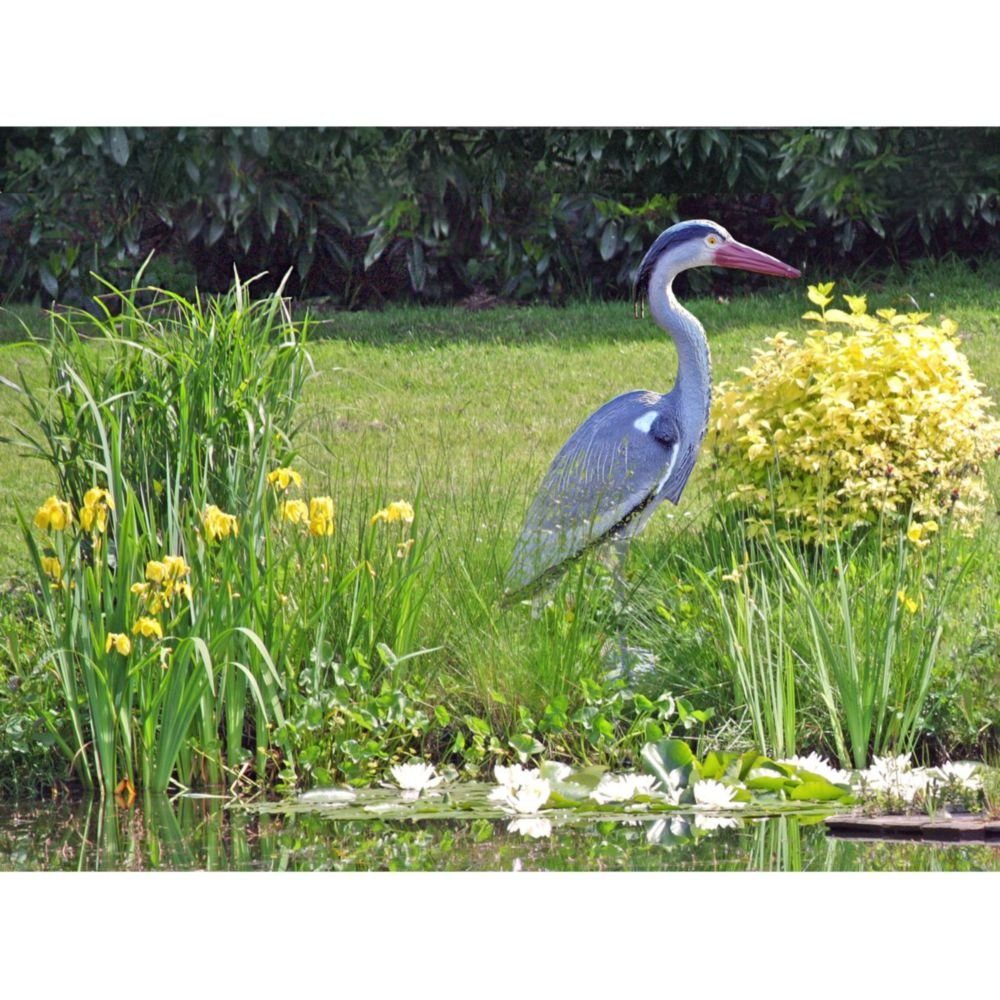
{"x": 946, "y": 829}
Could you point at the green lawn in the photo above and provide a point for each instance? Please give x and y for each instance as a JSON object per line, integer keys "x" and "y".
{"x": 441, "y": 398}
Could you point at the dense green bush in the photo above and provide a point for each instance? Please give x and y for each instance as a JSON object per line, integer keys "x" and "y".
{"x": 872, "y": 416}
{"x": 365, "y": 215}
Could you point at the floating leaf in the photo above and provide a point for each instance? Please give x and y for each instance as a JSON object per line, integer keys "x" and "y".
{"x": 767, "y": 784}
{"x": 817, "y": 790}
{"x": 669, "y": 761}
{"x": 715, "y": 764}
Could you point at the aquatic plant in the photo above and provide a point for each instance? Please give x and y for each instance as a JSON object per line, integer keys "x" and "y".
{"x": 893, "y": 784}
{"x": 415, "y": 777}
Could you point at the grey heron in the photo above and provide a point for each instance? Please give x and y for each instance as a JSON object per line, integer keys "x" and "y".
{"x": 639, "y": 449}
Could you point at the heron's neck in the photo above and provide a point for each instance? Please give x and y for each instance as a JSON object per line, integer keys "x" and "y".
{"x": 694, "y": 362}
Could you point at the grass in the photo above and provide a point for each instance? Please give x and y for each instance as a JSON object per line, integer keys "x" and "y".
{"x": 465, "y": 410}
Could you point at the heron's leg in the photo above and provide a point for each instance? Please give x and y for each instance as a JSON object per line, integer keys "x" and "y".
{"x": 619, "y": 558}
{"x": 614, "y": 556}
{"x": 632, "y": 661}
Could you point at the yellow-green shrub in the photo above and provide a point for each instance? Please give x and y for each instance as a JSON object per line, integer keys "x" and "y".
{"x": 870, "y": 415}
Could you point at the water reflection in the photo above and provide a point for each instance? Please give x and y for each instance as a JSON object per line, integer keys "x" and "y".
{"x": 188, "y": 833}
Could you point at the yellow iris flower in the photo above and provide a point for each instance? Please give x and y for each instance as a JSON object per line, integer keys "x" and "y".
{"x": 148, "y": 627}
{"x": 120, "y": 641}
{"x": 321, "y": 516}
{"x": 163, "y": 583}
{"x": 52, "y": 567}
{"x": 398, "y": 510}
{"x": 94, "y": 513}
{"x": 282, "y": 478}
{"x": 218, "y": 524}
{"x": 295, "y": 511}
{"x": 54, "y": 515}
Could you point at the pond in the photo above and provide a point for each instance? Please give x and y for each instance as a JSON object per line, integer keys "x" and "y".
{"x": 189, "y": 833}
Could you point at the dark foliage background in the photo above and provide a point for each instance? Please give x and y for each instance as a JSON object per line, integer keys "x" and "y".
{"x": 366, "y": 216}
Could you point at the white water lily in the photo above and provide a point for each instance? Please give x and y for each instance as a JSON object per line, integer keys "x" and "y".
{"x": 910, "y": 784}
{"x": 702, "y": 822}
{"x": 520, "y": 790}
{"x": 885, "y": 773}
{"x": 530, "y": 826}
{"x": 415, "y": 777}
{"x": 815, "y": 764}
{"x": 890, "y": 766}
{"x": 715, "y": 795}
{"x": 897, "y": 778}
{"x": 622, "y": 787}
{"x": 514, "y": 775}
{"x": 526, "y": 797}
{"x": 553, "y": 770}
{"x": 966, "y": 773}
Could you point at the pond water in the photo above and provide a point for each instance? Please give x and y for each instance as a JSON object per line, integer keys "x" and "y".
{"x": 199, "y": 833}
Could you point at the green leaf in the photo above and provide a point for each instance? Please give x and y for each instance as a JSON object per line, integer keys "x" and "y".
{"x": 260, "y": 140}
{"x": 118, "y": 146}
{"x": 441, "y": 715}
{"x": 610, "y": 240}
{"x": 478, "y": 726}
{"x": 817, "y": 791}
{"x": 775, "y": 784}
{"x": 48, "y": 280}
{"x": 380, "y": 240}
{"x": 577, "y": 787}
{"x": 525, "y": 745}
{"x": 416, "y": 265}
{"x": 715, "y": 764}
{"x": 271, "y": 215}
{"x": 666, "y": 756}
{"x": 749, "y": 760}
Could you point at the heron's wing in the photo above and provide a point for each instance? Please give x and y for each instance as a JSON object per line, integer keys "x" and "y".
{"x": 606, "y": 473}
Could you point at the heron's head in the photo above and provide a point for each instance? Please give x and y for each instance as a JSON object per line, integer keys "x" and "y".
{"x": 700, "y": 243}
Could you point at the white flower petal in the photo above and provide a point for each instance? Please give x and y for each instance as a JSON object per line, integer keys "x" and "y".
{"x": 416, "y": 776}
{"x": 530, "y": 826}
{"x": 715, "y": 795}
{"x": 622, "y": 787}
{"x": 815, "y": 764}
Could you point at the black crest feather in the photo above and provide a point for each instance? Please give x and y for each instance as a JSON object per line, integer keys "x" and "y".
{"x": 667, "y": 240}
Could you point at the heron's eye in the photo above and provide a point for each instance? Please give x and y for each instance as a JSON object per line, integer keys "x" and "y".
{"x": 712, "y": 241}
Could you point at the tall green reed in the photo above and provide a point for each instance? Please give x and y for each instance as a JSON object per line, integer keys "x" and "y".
{"x": 203, "y": 393}
{"x": 873, "y": 617}
{"x": 756, "y": 615}
{"x": 823, "y": 647}
{"x": 170, "y": 408}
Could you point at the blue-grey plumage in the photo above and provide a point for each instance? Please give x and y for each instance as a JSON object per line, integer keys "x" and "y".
{"x": 639, "y": 449}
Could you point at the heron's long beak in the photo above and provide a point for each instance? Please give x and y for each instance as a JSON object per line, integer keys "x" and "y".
{"x": 739, "y": 255}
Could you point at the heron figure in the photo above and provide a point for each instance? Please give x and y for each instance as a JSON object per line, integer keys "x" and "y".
{"x": 639, "y": 449}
